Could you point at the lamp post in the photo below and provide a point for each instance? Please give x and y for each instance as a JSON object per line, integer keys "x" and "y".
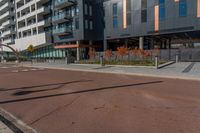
{"x": 2, "y": 58}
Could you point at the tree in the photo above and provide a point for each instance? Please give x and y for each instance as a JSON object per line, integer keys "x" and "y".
{"x": 30, "y": 48}
{"x": 92, "y": 53}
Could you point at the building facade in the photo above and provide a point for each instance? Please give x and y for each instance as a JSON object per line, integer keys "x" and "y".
{"x": 56, "y": 28}
{"x": 151, "y": 23}
{"x": 7, "y": 22}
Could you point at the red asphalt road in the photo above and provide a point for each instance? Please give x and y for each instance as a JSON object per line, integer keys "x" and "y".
{"x": 58, "y": 101}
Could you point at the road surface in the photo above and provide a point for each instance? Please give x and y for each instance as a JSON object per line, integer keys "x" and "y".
{"x": 60, "y": 101}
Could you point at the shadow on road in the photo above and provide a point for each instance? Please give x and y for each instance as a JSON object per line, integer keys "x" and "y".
{"x": 79, "y": 92}
{"x": 46, "y": 85}
{"x": 19, "y": 93}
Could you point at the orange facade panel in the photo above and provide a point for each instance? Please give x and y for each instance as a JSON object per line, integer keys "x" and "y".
{"x": 67, "y": 46}
{"x": 156, "y": 18}
{"x": 124, "y": 14}
{"x": 198, "y": 8}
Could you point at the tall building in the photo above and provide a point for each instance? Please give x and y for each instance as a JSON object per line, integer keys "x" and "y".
{"x": 7, "y": 22}
{"x": 151, "y": 23}
{"x": 58, "y": 28}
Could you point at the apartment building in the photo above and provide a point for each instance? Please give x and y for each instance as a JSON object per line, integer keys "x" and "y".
{"x": 30, "y": 25}
{"x": 147, "y": 24}
{"x": 7, "y": 22}
{"x": 58, "y": 28}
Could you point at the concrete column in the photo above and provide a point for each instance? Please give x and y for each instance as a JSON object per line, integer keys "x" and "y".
{"x": 126, "y": 43}
{"x": 105, "y": 45}
{"x": 78, "y": 52}
{"x": 141, "y": 42}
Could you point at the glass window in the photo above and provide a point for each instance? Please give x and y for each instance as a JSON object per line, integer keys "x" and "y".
{"x": 144, "y": 4}
{"x": 115, "y": 9}
{"x": 86, "y": 9}
{"x": 182, "y": 8}
{"x": 115, "y": 22}
{"x": 161, "y": 10}
{"x": 77, "y": 23}
{"x": 86, "y": 24}
{"x": 144, "y": 11}
{"x": 115, "y": 17}
{"x": 91, "y": 25}
{"x": 144, "y": 16}
{"x": 128, "y": 14}
{"x": 90, "y": 10}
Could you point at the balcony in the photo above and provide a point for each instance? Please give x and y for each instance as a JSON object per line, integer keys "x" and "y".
{"x": 9, "y": 41}
{"x": 6, "y": 15}
{"x": 35, "y": 40}
{"x": 62, "y": 31}
{"x": 44, "y": 10}
{"x": 63, "y": 17}
{"x": 42, "y": 1}
{"x": 8, "y": 32}
{"x": 59, "y": 4}
{"x": 7, "y": 23}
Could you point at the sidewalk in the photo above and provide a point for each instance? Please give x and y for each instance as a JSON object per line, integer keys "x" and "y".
{"x": 175, "y": 71}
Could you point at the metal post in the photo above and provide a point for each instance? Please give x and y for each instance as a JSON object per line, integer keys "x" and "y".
{"x": 156, "y": 62}
{"x": 2, "y": 58}
{"x": 101, "y": 60}
{"x": 77, "y": 52}
{"x": 177, "y": 58}
{"x": 105, "y": 44}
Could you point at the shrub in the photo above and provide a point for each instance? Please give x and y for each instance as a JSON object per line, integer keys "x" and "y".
{"x": 122, "y": 51}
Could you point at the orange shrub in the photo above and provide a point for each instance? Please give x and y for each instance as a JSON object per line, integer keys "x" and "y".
{"x": 122, "y": 51}
{"x": 108, "y": 53}
{"x": 92, "y": 53}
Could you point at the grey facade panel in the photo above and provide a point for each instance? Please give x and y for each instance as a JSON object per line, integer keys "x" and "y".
{"x": 171, "y": 24}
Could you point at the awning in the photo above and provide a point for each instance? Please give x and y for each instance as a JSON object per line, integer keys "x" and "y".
{"x": 66, "y": 46}
{"x": 75, "y": 46}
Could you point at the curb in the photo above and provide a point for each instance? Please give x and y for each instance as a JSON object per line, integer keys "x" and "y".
{"x": 126, "y": 66}
{"x": 17, "y": 125}
{"x": 123, "y": 73}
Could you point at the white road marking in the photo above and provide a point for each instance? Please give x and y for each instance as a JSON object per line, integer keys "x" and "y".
{"x": 15, "y": 71}
{"x": 25, "y": 70}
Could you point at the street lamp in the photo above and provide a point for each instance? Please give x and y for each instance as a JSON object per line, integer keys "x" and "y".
{"x": 2, "y": 58}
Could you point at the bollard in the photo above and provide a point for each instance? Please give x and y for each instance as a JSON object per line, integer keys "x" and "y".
{"x": 156, "y": 62}
{"x": 177, "y": 58}
{"x": 66, "y": 60}
{"x": 101, "y": 60}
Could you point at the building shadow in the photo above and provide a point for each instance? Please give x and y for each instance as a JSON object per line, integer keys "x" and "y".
{"x": 79, "y": 92}
{"x": 45, "y": 85}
